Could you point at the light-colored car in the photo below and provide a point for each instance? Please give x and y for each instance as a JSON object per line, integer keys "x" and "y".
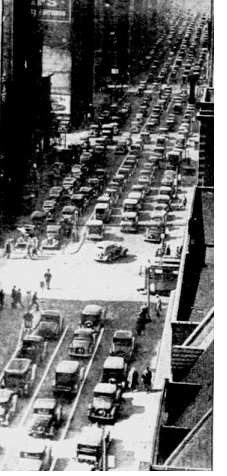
{"x": 109, "y": 251}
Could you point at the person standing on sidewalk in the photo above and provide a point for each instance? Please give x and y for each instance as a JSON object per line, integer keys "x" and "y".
{"x": 158, "y": 305}
{"x": 35, "y": 301}
{"x": 47, "y": 277}
{"x": 2, "y": 299}
{"x": 146, "y": 378}
{"x": 19, "y": 298}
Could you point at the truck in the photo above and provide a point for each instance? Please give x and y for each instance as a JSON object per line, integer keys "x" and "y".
{"x": 92, "y": 450}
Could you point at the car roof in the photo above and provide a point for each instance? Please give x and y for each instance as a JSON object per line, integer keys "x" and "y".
{"x": 68, "y": 366}
{"x": 33, "y": 445}
{"x": 105, "y": 388}
{"x": 18, "y": 366}
{"x": 135, "y": 195}
{"x": 68, "y": 208}
{"x": 92, "y": 309}
{"x": 123, "y": 334}
{"x": 33, "y": 338}
{"x": 51, "y": 312}
{"x": 84, "y": 331}
{"x": 90, "y": 435}
{"x": 130, "y": 214}
{"x": 114, "y": 363}
{"x": 95, "y": 222}
{"x": 102, "y": 205}
{"x": 47, "y": 403}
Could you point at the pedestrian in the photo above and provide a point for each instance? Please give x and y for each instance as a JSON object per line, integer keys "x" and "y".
{"x": 168, "y": 251}
{"x": 19, "y": 298}
{"x": 8, "y": 249}
{"x": 146, "y": 378}
{"x": 158, "y": 305}
{"x": 133, "y": 379}
{"x": 29, "y": 249}
{"x": 2, "y": 299}
{"x": 35, "y": 301}
{"x": 47, "y": 277}
{"x": 140, "y": 325}
{"x": 14, "y": 297}
{"x": 184, "y": 201}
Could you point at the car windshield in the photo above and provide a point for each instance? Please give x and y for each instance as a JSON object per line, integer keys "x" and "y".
{"x": 122, "y": 342}
{"x": 112, "y": 374}
{"x": 82, "y": 336}
{"x": 49, "y": 318}
{"x": 24, "y": 454}
{"x": 95, "y": 229}
{"x": 12, "y": 381}
{"x": 102, "y": 401}
{"x": 64, "y": 378}
{"x": 41, "y": 410}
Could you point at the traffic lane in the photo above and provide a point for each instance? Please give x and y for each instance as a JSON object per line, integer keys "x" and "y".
{"x": 120, "y": 316}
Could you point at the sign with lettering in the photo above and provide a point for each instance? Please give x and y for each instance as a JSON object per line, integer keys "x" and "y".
{"x": 60, "y": 103}
{"x": 53, "y": 10}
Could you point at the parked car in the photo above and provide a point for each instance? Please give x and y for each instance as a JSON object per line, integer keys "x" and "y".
{"x": 93, "y": 317}
{"x": 55, "y": 193}
{"x": 123, "y": 344}
{"x": 95, "y": 230}
{"x": 19, "y": 376}
{"x": 115, "y": 370}
{"x": 51, "y": 324}
{"x": 129, "y": 222}
{"x": 106, "y": 402}
{"x": 49, "y": 206}
{"x": 68, "y": 377}
{"x": 46, "y": 418}
{"x": 8, "y": 402}
{"x": 35, "y": 455}
{"x": 83, "y": 342}
{"x": 109, "y": 251}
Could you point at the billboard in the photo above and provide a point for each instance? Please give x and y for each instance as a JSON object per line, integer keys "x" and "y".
{"x": 54, "y": 10}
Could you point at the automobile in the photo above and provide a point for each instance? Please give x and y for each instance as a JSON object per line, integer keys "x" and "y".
{"x": 126, "y": 172}
{"x": 69, "y": 183}
{"x": 68, "y": 212}
{"x": 95, "y": 230}
{"x": 130, "y": 164}
{"x": 51, "y": 244}
{"x": 105, "y": 199}
{"x": 55, "y": 231}
{"x": 92, "y": 444}
{"x": 135, "y": 195}
{"x": 166, "y": 190}
{"x": 166, "y": 199}
{"x": 112, "y": 193}
{"x": 130, "y": 205}
{"x": 123, "y": 344}
{"x": 32, "y": 347}
{"x": 95, "y": 184}
{"x": 145, "y": 181}
{"x": 68, "y": 377}
{"x": 38, "y": 219}
{"x": 145, "y": 136}
{"x": 55, "y": 193}
{"x": 106, "y": 402}
{"x": 109, "y": 251}
{"x": 122, "y": 147}
{"x": 19, "y": 376}
{"x": 83, "y": 342}
{"x": 88, "y": 193}
{"x": 129, "y": 222}
{"x": 136, "y": 149}
{"x": 155, "y": 232}
{"x": 51, "y": 324}
{"x": 139, "y": 188}
{"x": 115, "y": 370}
{"x": 93, "y": 317}
{"x": 35, "y": 455}
{"x": 94, "y": 130}
{"x": 102, "y": 212}
{"x": 46, "y": 418}
{"x": 49, "y": 206}
{"x": 8, "y": 402}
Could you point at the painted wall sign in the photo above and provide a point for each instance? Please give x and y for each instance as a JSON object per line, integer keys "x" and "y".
{"x": 60, "y": 103}
{"x": 54, "y": 10}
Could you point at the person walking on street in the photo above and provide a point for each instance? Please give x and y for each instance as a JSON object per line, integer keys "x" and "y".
{"x": 135, "y": 380}
{"x": 168, "y": 251}
{"x": 146, "y": 378}
{"x": 2, "y": 299}
{"x": 14, "y": 297}
{"x": 158, "y": 305}
{"x": 35, "y": 301}
{"x": 47, "y": 277}
{"x": 19, "y": 298}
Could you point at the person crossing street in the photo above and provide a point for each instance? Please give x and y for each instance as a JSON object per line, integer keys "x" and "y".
{"x": 48, "y": 277}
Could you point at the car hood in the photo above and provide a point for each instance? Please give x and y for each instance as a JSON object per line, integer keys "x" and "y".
{"x": 85, "y": 344}
{"x": 29, "y": 464}
{"x": 40, "y": 421}
{"x": 47, "y": 329}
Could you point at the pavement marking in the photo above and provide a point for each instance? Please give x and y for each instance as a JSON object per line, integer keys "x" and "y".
{"x": 35, "y": 393}
{"x": 71, "y": 415}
